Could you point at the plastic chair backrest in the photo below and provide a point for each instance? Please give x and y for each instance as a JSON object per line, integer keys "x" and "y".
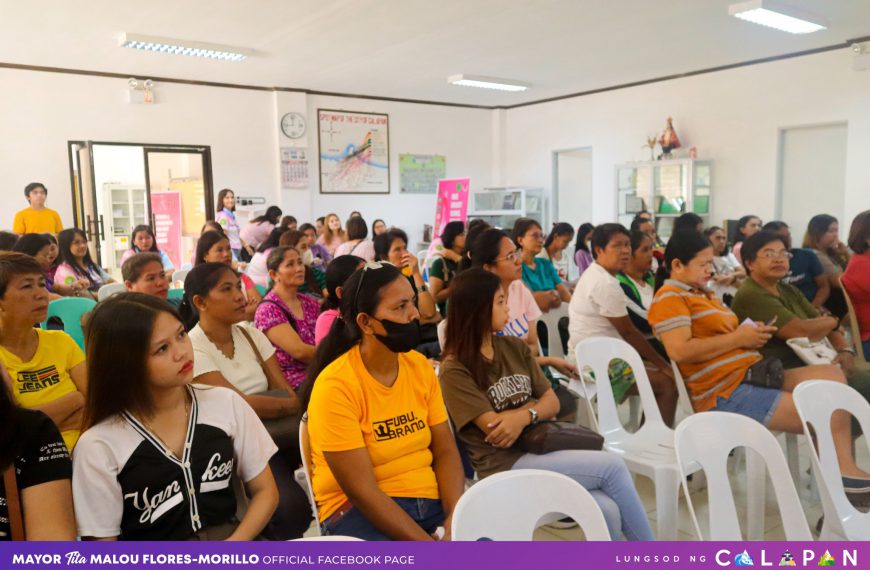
{"x": 179, "y": 277}
{"x": 854, "y": 327}
{"x": 305, "y": 452}
{"x": 597, "y": 353}
{"x": 110, "y": 289}
{"x": 816, "y": 401}
{"x": 70, "y": 310}
{"x": 261, "y": 290}
{"x": 705, "y": 440}
{"x": 554, "y": 339}
{"x": 684, "y": 402}
{"x": 510, "y": 505}
{"x": 175, "y": 294}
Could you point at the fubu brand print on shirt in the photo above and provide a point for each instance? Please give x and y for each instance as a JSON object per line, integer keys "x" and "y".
{"x": 397, "y": 427}
{"x": 510, "y": 391}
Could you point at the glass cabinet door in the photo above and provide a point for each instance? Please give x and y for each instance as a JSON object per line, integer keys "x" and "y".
{"x": 669, "y": 196}
{"x": 701, "y": 188}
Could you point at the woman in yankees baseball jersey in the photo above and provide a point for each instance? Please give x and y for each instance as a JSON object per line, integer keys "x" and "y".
{"x": 158, "y": 456}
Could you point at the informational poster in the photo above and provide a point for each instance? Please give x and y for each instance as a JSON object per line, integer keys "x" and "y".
{"x": 354, "y": 152}
{"x": 420, "y": 173}
{"x": 451, "y": 205}
{"x": 294, "y": 168}
{"x": 166, "y": 208}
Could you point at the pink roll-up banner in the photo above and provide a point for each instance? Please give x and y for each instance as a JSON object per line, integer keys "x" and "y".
{"x": 451, "y": 205}
{"x": 166, "y": 208}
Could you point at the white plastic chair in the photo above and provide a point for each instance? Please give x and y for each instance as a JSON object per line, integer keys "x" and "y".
{"x": 650, "y": 450}
{"x": 510, "y": 505}
{"x": 705, "y": 440}
{"x": 110, "y": 289}
{"x": 178, "y": 278}
{"x": 816, "y": 401}
{"x": 554, "y": 339}
{"x": 303, "y": 474}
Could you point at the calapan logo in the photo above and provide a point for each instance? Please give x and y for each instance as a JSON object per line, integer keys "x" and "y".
{"x": 804, "y": 558}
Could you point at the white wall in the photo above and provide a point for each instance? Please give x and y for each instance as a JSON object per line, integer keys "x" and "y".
{"x": 733, "y": 117}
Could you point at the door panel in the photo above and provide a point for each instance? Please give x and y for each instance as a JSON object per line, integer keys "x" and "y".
{"x": 92, "y": 218}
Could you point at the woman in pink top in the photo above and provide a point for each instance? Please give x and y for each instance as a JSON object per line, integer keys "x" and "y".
{"x": 337, "y": 273}
{"x": 856, "y": 279}
{"x": 213, "y": 247}
{"x": 357, "y": 244}
{"x": 257, "y": 230}
{"x": 332, "y": 236}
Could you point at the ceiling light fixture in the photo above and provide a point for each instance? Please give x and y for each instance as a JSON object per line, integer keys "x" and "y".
{"x": 183, "y": 47}
{"x": 778, "y": 16}
{"x": 487, "y": 82}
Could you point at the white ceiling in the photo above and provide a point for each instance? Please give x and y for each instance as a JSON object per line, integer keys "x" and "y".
{"x": 407, "y": 48}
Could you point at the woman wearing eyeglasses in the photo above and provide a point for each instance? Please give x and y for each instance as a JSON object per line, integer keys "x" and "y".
{"x": 538, "y": 273}
{"x": 385, "y": 463}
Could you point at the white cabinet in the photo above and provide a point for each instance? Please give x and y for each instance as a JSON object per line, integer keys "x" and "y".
{"x": 666, "y": 188}
{"x": 501, "y": 207}
{"x": 127, "y": 208}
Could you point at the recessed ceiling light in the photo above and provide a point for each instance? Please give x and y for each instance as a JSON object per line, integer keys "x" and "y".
{"x": 184, "y": 47}
{"x": 778, "y": 16}
{"x": 487, "y": 82}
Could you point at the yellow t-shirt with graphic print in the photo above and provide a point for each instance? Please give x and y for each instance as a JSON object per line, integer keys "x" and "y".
{"x": 349, "y": 409}
{"x": 45, "y": 377}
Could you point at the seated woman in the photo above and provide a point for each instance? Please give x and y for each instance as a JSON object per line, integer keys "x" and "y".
{"x": 719, "y": 359}
{"x": 257, "y": 230}
{"x": 598, "y": 309}
{"x": 231, "y": 354}
{"x": 582, "y": 255}
{"x": 805, "y": 269}
{"x": 256, "y": 269}
{"x": 144, "y": 273}
{"x": 765, "y": 298}
{"x": 357, "y": 244}
{"x": 385, "y": 463}
{"x": 47, "y": 367}
{"x": 538, "y": 274}
{"x": 320, "y": 256}
{"x": 727, "y": 271}
{"x": 856, "y": 279}
{"x": 77, "y": 270}
{"x": 446, "y": 263}
{"x": 31, "y": 445}
{"x": 333, "y": 235}
{"x": 42, "y": 248}
{"x": 214, "y": 247}
{"x": 638, "y": 284}
{"x": 746, "y": 226}
{"x": 554, "y": 248}
{"x": 287, "y": 316}
{"x": 142, "y": 240}
{"x": 337, "y": 273}
{"x": 159, "y": 457}
{"x": 495, "y": 252}
{"x": 315, "y": 277}
{"x": 823, "y": 238}
{"x": 494, "y": 390}
{"x": 378, "y": 227}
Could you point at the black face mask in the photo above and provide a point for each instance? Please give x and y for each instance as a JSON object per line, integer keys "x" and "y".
{"x": 400, "y": 337}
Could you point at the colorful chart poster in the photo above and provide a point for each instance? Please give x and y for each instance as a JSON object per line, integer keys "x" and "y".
{"x": 420, "y": 173}
{"x": 354, "y": 152}
{"x": 166, "y": 208}
{"x": 452, "y": 205}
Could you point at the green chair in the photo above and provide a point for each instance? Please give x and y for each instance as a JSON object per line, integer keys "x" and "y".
{"x": 70, "y": 310}
{"x": 176, "y": 294}
{"x": 262, "y": 290}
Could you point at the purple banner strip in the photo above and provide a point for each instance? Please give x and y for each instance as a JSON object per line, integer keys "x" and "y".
{"x": 419, "y": 556}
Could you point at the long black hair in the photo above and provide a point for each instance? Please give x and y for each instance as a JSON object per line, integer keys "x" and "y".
{"x": 150, "y": 232}
{"x": 582, "y": 233}
{"x": 559, "y": 229}
{"x": 64, "y": 241}
{"x": 338, "y": 271}
{"x": 205, "y": 243}
{"x": 469, "y": 320}
{"x": 271, "y": 241}
{"x": 199, "y": 281}
{"x": 683, "y": 245}
{"x": 484, "y": 249}
{"x": 741, "y": 223}
{"x": 361, "y": 294}
{"x": 272, "y": 215}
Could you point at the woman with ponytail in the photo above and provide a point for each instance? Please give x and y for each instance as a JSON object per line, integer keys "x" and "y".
{"x": 385, "y": 463}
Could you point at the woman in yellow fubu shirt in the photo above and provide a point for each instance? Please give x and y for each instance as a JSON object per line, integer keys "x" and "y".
{"x": 384, "y": 460}
{"x": 36, "y": 219}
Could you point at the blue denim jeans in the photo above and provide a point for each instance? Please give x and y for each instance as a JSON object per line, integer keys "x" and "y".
{"x": 427, "y": 513}
{"x": 607, "y": 478}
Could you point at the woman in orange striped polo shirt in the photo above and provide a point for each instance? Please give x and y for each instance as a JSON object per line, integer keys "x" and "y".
{"x": 719, "y": 360}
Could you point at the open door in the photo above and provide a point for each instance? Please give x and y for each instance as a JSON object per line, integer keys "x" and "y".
{"x": 179, "y": 193}
{"x": 87, "y": 216}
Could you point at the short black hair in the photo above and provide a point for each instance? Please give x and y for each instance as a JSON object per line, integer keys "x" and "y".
{"x": 687, "y": 221}
{"x": 451, "y": 231}
{"x": 132, "y": 269}
{"x": 33, "y": 186}
{"x": 859, "y": 232}
{"x": 603, "y": 233}
{"x": 357, "y": 228}
{"x": 755, "y": 243}
{"x": 385, "y": 240}
{"x": 637, "y": 221}
{"x": 7, "y": 241}
{"x": 775, "y": 226}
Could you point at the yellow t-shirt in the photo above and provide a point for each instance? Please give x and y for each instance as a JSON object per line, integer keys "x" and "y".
{"x": 45, "y": 377}
{"x": 349, "y": 409}
{"x": 30, "y": 221}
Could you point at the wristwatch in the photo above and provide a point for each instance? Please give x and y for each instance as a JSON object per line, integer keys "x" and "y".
{"x": 534, "y": 413}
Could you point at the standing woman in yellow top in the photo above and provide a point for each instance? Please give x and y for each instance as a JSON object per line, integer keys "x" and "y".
{"x": 384, "y": 460}
{"x": 37, "y": 219}
{"x": 47, "y": 367}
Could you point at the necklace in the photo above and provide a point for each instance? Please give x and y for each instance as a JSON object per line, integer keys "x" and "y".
{"x": 153, "y": 432}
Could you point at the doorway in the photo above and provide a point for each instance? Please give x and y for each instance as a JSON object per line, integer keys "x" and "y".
{"x": 118, "y": 186}
{"x": 572, "y": 195}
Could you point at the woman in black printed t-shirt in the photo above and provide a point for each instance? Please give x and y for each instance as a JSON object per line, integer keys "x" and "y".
{"x": 159, "y": 457}
{"x": 32, "y": 446}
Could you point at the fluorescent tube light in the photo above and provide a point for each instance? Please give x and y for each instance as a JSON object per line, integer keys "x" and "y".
{"x": 184, "y": 47}
{"x": 487, "y": 82}
{"x": 777, "y": 16}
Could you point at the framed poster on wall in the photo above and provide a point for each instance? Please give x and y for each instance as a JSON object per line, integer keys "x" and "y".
{"x": 354, "y": 152}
